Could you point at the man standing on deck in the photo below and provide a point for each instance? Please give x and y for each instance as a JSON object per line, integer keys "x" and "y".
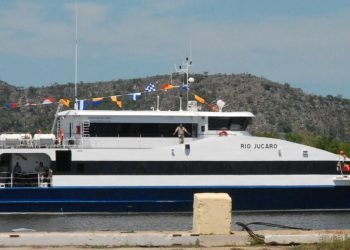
{"x": 40, "y": 169}
{"x": 181, "y": 130}
{"x": 17, "y": 169}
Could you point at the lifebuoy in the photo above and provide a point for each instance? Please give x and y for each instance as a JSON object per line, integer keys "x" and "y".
{"x": 223, "y": 133}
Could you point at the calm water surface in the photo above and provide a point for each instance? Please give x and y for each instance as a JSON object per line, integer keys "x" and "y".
{"x": 164, "y": 222}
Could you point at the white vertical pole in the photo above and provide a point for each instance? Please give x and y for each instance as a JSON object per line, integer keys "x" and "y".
{"x": 76, "y": 52}
{"x": 189, "y": 64}
{"x": 171, "y": 76}
{"x": 191, "y": 45}
{"x": 157, "y": 102}
{"x": 187, "y": 84}
{"x": 180, "y": 103}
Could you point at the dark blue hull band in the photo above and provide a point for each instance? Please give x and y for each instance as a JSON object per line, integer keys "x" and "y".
{"x": 166, "y": 199}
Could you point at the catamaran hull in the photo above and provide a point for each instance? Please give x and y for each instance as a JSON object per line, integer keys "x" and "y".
{"x": 169, "y": 199}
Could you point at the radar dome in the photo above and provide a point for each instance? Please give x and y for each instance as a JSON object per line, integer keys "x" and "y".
{"x": 220, "y": 104}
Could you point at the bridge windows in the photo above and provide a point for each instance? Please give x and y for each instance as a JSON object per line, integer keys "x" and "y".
{"x": 137, "y": 129}
{"x": 229, "y": 123}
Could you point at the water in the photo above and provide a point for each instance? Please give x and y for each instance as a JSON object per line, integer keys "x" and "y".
{"x": 164, "y": 222}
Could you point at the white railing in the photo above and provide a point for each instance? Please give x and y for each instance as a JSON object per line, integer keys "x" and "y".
{"x": 124, "y": 142}
{"x": 9, "y": 180}
{"x": 27, "y": 143}
{"x": 108, "y": 142}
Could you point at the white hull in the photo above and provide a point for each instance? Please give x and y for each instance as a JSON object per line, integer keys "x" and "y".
{"x": 193, "y": 180}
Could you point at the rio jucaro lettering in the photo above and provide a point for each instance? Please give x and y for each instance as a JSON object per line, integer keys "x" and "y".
{"x": 258, "y": 146}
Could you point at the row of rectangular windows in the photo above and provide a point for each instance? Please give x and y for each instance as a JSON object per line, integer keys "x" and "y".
{"x": 197, "y": 168}
{"x": 160, "y": 129}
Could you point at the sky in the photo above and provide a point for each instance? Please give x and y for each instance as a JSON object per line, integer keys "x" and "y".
{"x": 305, "y": 43}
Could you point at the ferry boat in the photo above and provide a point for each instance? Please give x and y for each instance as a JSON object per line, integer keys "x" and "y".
{"x": 130, "y": 161}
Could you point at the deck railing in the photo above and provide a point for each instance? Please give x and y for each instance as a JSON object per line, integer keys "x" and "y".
{"x": 9, "y": 180}
{"x": 88, "y": 142}
{"x": 97, "y": 142}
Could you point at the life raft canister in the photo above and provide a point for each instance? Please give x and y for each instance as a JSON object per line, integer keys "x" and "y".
{"x": 223, "y": 133}
{"x": 346, "y": 168}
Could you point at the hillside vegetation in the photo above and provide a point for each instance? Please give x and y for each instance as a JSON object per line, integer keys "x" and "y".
{"x": 280, "y": 110}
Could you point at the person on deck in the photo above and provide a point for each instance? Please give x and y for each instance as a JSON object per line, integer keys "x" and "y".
{"x": 17, "y": 169}
{"x": 40, "y": 169}
{"x": 181, "y": 130}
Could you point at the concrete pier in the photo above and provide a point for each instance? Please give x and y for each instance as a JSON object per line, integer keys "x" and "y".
{"x": 211, "y": 229}
{"x": 176, "y": 239}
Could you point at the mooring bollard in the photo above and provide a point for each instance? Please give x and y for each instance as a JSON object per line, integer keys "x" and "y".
{"x": 212, "y": 213}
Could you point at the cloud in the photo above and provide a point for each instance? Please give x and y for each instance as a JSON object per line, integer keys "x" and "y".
{"x": 307, "y": 49}
{"x": 293, "y": 48}
{"x": 25, "y": 31}
{"x": 152, "y": 28}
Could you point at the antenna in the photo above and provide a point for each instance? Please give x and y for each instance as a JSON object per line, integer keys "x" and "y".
{"x": 191, "y": 44}
{"x": 76, "y": 54}
{"x": 171, "y": 76}
{"x": 185, "y": 69}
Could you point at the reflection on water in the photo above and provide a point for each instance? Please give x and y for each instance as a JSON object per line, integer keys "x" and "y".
{"x": 164, "y": 222}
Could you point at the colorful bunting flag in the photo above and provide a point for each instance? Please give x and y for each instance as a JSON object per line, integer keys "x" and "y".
{"x": 115, "y": 99}
{"x": 213, "y": 107}
{"x": 82, "y": 104}
{"x": 65, "y": 102}
{"x": 184, "y": 88}
{"x": 97, "y": 101}
{"x": 167, "y": 86}
{"x": 199, "y": 99}
{"x": 48, "y": 100}
{"x": 150, "y": 88}
{"x": 11, "y": 105}
{"x": 135, "y": 96}
{"x": 30, "y": 104}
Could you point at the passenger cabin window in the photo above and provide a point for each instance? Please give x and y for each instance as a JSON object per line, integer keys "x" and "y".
{"x": 229, "y": 123}
{"x": 137, "y": 129}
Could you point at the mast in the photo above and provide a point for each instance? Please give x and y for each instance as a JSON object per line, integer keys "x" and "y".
{"x": 185, "y": 69}
{"x": 76, "y": 57}
{"x": 191, "y": 45}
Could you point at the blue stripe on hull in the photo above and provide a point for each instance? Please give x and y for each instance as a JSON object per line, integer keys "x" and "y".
{"x": 161, "y": 199}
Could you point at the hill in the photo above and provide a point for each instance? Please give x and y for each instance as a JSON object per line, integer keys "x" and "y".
{"x": 280, "y": 109}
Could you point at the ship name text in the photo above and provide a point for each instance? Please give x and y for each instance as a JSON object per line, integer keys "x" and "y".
{"x": 258, "y": 146}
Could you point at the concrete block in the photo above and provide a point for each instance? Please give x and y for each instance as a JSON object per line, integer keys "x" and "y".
{"x": 212, "y": 213}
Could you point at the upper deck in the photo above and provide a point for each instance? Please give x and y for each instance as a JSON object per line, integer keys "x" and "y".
{"x": 97, "y": 114}
{"x": 106, "y": 123}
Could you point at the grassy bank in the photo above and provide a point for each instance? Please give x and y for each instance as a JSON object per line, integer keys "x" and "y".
{"x": 337, "y": 244}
